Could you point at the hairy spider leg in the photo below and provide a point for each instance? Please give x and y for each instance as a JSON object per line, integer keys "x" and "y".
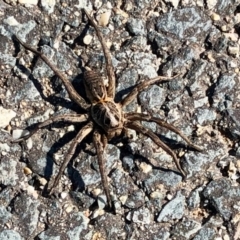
{"x": 141, "y": 86}
{"x": 147, "y": 132}
{"x": 109, "y": 66}
{"x": 71, "y": 118}
{"x": 68, "y": 85}
{"x": 162, "y": 123}
{"x": 80, "y": 136}
{"x": 101, "y": 162}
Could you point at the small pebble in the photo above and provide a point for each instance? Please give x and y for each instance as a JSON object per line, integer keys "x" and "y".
{"x": 97, "y": 4}
{"x": 48, "y": 5}
{"x": 104, "y": 19}
{"x": 224, "y": 28}
{"x": 66, "y": 28}
{"x": 234, "y": 51}
{"x": 215, "y": 17}
{"x": 64, "y": 195}
{"x": 33, "y": 2}
{"x": 18, "y": 133}
{"x": 31, "y": 191}
{"x": 70, "y": 128}
{"x": 87, "y": 39}
{"x": 211, "y": 3}
{"x": 96, "y": 192}
{"x": 6, "y": 115}
{"x": 146, "y": 168}
{"x": 27, "y": 171}
{"x": 4, "y": 153}
{"x": 77, "y": 13}
{"x": 4, "y": 147}
{"x": 29, "y": 143}
{"x": 98, "y": 212}
{"x": 123, "y": 199}
{"x": 102, "y": 201}
{"x": 42, "y": 181}
{"x": 156, "y": 195}
{"x": 68, "y": 208}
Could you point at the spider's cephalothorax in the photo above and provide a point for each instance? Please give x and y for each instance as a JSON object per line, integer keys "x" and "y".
{"x": 104, "y": 118}
{"x": 108, "y": 115}
{"x": 104, "y": 111}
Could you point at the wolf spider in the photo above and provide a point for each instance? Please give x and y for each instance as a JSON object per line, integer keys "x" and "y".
{"x": 104, "y": 117}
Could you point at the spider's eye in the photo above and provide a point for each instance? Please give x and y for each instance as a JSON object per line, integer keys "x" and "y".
{"x": 107, "y": 121}
{"x": 117, "y": 118}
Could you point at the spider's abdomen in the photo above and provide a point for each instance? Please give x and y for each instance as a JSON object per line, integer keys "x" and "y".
{"x": 108, "y": 115}
{"x": 94, "y": 86}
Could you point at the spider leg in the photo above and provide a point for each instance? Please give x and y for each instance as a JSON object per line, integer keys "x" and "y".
{"x": 101, "y": 162}
{"x": 80, "y": 136}
{"x": 148, "y": 118}
{"x": 147, "y": 132}
{"x": 141, "y": 86}
{"x": 68, "y": 85}
{"x": 109, "y": 66}
{"x": 72, "y": 118}
{"x": 104, "y": 140}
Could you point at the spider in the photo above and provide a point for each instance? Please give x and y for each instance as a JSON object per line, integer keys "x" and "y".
{"x": 104, "y": 117}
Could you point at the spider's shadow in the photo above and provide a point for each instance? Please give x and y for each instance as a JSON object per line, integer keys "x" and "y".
{"x": 125, "y": 150}
{"x": 56, "y": 85}
{"x": 59, "y": 99}
{"x": 122, "y": 93}
{"x": 55, "y": 147}
{"x": 171, "y": 143}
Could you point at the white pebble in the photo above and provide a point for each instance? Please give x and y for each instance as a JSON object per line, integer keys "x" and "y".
{"x": 104, "y": 19}
{"x": 18, "y": 133}
{"x": 63, "y": 195}
{"x": 146, "y": 168}
{"x": 215, "y": 17}
{"x": 42, "y": 181}
{"x": 211, "y": 3}
{"x": 6, "y": 115}
{"x": 48, "y": 5}
{"x": 33, "y": 2}
{"x": 66, "y": 28}
{"x": 234, "y": 51}
{"x": 4, "y": 147}
{"x": 87, "y": 39}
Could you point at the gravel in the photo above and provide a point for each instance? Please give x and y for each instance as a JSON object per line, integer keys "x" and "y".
{"x": 200, "y": 40}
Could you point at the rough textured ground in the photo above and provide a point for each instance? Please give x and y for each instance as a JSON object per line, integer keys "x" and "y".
{"x": 199, "y": 39}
